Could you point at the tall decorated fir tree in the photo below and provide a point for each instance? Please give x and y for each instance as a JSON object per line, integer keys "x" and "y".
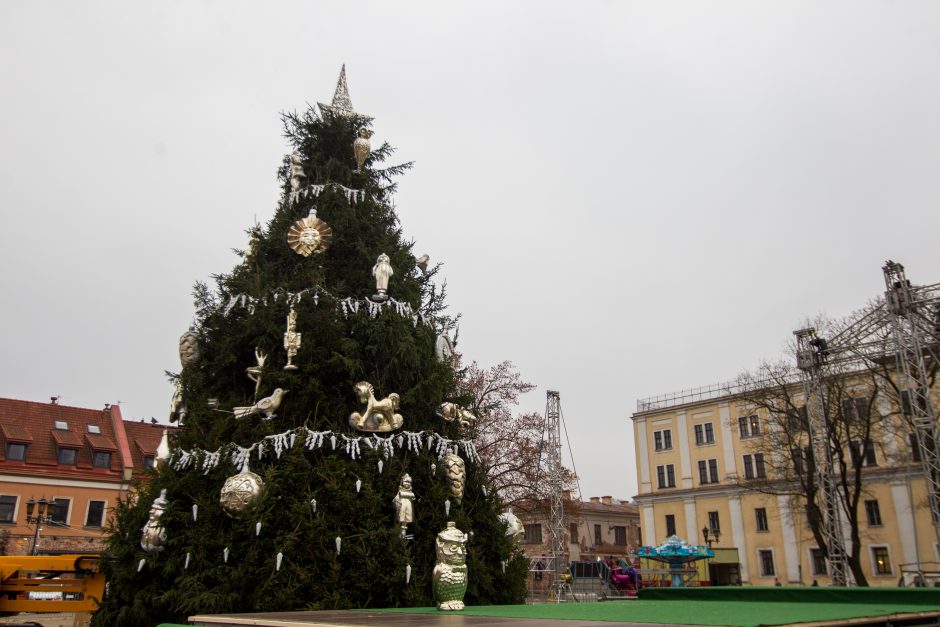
{"x": 318, "y": 375}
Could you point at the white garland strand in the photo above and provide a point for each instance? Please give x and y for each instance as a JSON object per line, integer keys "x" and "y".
{"x": 350, "y": 305}
{"x": 353, "y": 196}
{"x": 412, "y": 441}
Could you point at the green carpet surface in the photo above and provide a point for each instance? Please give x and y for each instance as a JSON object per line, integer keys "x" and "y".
{"x": 689, "y": 612}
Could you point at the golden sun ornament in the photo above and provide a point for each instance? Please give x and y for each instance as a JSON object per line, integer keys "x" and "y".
{"x": 309, "y": 235}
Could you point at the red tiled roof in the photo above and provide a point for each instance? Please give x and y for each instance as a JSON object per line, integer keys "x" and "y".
{"x": 66, "y": 439}
{"x": 145, "y": 438}
{"x": 100, "y": 442}
{"x": 38, "y": 420}
{"x": 15, "y": 433}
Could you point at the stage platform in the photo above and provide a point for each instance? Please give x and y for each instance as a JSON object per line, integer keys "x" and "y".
{"x": 736, "y": 606}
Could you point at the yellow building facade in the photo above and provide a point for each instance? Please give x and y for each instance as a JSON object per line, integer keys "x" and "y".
{"x": 695, "y": 451}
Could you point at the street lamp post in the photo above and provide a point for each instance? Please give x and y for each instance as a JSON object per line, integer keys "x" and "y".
{"x": 44, "y": 516}
{"x": 715, "y": 535}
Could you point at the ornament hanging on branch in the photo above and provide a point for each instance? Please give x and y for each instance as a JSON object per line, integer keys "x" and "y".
{"x": 309, "y": 235}
{"x": 422, "y": 263}
{"x": 153, "y": 535}
{"x": 362, "y": 147}
{"x": 456, "y": 472}
{"x": 382, "y": 271}
{"x": 189, "y": 347}
{"x": 444, "y": 347}
{"x": 297, "y": 175}
{"x": 514, "y": 527}
{"x": 264, "y": 407}
{"x": 256, "y": 372}
{"x": 292, "y": 339}
{"x": 450, "y": 572}
{"x": 404, "y": 504}
{"x": 240, "y": 493}
{"x": 450, "y": 412}
{"x": 162, "y": 458}
{"x": 378, "y": 416}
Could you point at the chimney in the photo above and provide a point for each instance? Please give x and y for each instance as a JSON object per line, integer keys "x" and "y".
{"x": 595, "y": 499}
{"x": 607, "y": 500}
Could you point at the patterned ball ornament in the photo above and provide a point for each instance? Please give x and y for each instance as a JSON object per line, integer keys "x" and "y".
{"x": 240, "y": 492}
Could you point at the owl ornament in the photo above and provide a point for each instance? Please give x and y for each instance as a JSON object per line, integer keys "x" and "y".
{"x": 362, "y": 147}
{"x": 450, "y": 572}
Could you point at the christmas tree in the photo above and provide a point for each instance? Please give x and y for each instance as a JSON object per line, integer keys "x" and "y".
{"x": 318, "y": 375}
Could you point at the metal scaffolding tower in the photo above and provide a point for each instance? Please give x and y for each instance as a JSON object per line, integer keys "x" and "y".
{"x": 554, "y": 479}
{"x": 811, "y": 354}
{"x": 915, "y": 318}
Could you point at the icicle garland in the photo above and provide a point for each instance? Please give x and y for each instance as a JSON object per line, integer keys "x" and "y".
{"x": 280, "y": 295}
{"x": 353, "y": 196}
{"x": 280, "y": 558}
{"x": 408, "y": 574}
{"x": 350, "y": 305}
{"x": 358, "y": 485}
{"x": 257, "y": 528}
{"x": 411, "y": 441}
{"x": 313, "y": 505}
{"x": 225, "y": 555}
{"x": 339, "y": 544}
{"x": 186, "y": 563}
{"x": 195, "y": 512}
{"x": 447, "y": 507}
{"x": 140, "y": 565}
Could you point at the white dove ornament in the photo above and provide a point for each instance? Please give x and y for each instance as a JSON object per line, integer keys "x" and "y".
{"x": 265, "y": 407}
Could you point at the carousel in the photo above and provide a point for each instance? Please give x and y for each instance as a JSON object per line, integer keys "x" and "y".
{"x": 680, "y": 559}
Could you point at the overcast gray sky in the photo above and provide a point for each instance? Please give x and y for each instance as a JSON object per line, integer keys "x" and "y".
{"x": 630, "y": 198}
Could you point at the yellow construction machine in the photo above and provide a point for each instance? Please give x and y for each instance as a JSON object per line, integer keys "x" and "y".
{"x": 50, "y": 583}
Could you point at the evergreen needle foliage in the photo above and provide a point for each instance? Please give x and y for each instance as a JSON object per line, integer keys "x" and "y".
{"x": 390, "y": 351}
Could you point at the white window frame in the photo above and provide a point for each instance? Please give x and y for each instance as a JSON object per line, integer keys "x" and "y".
{"x": 760, "y": 562}
{"x": 666, "y": 485}
{"x": 874, "y": 565}
{"x": 104, "y": 512}
{"x": 71, "y": 500}
{"x": 16, "y": 508}
{"x": 757, "y": 520}
{"x": 812, "y": 562}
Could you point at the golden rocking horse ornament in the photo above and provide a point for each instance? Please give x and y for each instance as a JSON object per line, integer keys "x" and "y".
{"x": 378, "y": 416}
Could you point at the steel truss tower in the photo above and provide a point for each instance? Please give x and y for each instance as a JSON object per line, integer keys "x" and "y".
{"x": 914, "y": 317}
{"x": 554, "y": 480}
{"x": 811, "y": 354}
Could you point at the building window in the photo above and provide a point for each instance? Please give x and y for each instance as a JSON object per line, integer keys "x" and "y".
{"x": 818, "y": 562}
{"x": 7, "y": 509}
{"x": 754, "y": 466}
{"x": 863, "y": 453}
{"x": 101, "y": 459}
{"x": 882, "y": 560}
{"x": 799, "y": 461}
{"x": 798, "y": 420}
{"x": 60, "y": 511}
{"x": 533, "y": 534}
{"x": 766, "y": 559}
{"x": 748, "y": 426}
{"x": 16, "y": 451}
{"x": 94, "y": 429}
{"x": 573, "y": 533}
{"x": 666, "y": 476}
{"x": 149, "y": 462}
{"x": 713, "y": 523}
{"x": 95, "y": 516}
{"x": 670, "y": 525}
{"x": 708, "y": 471}
{"x": 705, "y": 433}
{"x": 61, "y": 425}
{"x": 67, "y": 456}
{"x": 760, "y": 514}
{"x": 873, "y": 513}
{"x": 620, "y": 536}
{"x": 597, "y": 535}
{"x": 663, "y": 439}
